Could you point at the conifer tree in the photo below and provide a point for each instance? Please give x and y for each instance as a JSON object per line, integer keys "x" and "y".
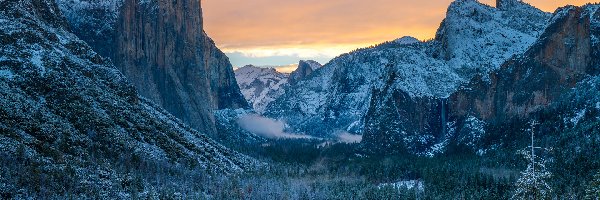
{"x": 532, "y": 184}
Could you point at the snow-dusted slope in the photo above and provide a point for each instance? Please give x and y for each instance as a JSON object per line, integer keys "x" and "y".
{"x": 259, "y": 85}
{"x": 474, "y": 38}
{"x": 70, "y": 115}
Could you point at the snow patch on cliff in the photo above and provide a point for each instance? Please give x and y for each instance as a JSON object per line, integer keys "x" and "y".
{"x": 5, "y": 73}
{"x": 577, "y": 117}
{"x": 36, "y": 60}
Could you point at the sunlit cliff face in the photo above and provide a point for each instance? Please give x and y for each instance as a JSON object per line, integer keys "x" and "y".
{"x": 281, "y": 32}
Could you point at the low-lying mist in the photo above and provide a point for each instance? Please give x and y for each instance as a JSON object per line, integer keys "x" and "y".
{"x": 275, "y": 129}
{"x": 267, "y": 127}
{"x": 346, "y": 137}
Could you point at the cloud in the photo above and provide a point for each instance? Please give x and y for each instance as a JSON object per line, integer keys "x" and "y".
{"x": 267, "y": 127}
{"x": 238, "y": 60}
{"x": 292, "y": 29}
{"x": 287, "y": 68}
{"x": 270, "y": 128}
{"x": 346, "y": 137}
{"x": 269, "y": 23}
{"x": 298, "y": 51}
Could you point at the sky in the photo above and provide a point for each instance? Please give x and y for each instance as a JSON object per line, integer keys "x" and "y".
{"x": 282, "y": 32}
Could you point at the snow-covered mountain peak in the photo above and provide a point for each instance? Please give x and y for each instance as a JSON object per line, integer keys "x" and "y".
{"x": 260, "y": 85}
{"x": 479, "y": 37}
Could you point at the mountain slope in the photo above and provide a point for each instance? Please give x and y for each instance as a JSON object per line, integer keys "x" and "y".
{"x": 71, "y": 123}
{"x": 473, "y": 39}
{"x": 162, "y": 48}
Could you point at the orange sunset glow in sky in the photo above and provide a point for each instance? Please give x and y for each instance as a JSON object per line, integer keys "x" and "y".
{"x": 281, "y": 32}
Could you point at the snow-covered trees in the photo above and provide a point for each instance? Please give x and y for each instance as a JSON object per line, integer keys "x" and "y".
{"x": 593, "y": 190}
{"x": 532, "y": 183}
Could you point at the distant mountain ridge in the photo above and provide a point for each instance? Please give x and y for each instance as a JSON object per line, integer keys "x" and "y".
{"x": 473, "y": 39}
{"x": 262, "y": 85}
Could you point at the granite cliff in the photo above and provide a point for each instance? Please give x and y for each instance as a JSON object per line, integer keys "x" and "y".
{"x": 161, "y": 47}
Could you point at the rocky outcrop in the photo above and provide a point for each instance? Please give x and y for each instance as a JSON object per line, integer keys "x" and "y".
{"x": 305, "y": 68}
{"x": 72, "y": 126}
{"x": 496, "y": 33}
{"x": 162, "y": 48}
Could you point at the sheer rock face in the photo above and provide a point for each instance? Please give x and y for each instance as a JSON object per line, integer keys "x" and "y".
{"x": 398, "y": 123}
{"x": 162, "y": 48}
